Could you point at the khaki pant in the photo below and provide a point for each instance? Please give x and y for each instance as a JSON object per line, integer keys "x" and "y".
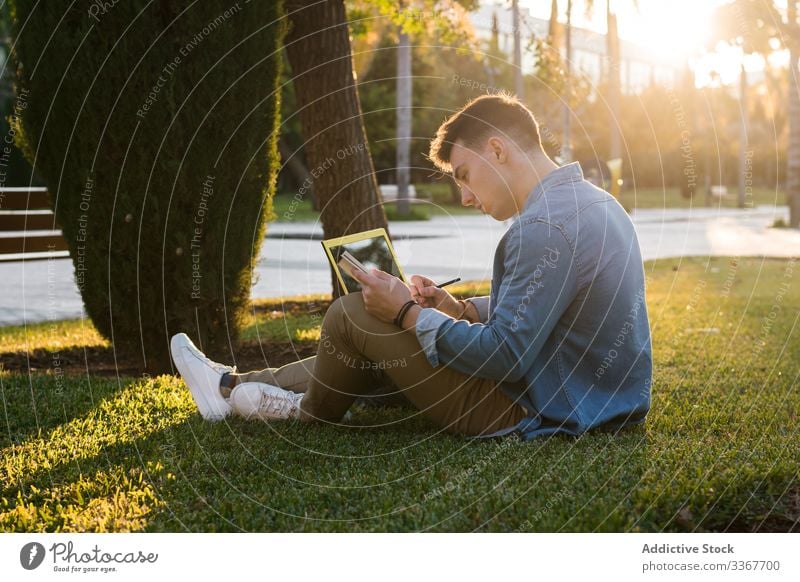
{"x": 356, "y": 348}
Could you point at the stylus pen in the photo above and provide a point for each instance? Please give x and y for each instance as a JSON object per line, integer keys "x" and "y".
{"x": 440, "y": 285}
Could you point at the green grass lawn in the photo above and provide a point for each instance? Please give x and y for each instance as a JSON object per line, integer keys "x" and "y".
{"x": 440, "y": 204}
{"x": 643, "y": 198}
{"x": 719, "y": 451}
{"x": 286, "y": 209}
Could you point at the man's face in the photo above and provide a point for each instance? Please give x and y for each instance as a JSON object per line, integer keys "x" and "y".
{"x": 481, "y": 177}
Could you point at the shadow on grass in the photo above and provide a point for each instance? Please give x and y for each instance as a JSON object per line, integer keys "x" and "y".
{"x": 141, "y": 459}
{"x": 103, "y": 362}
{"x": 141, "y": 455}
{"x": 36, "y": 403}
{"x": 138, "y": 457}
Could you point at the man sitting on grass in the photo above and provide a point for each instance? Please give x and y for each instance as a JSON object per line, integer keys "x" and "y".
{"x": 562, "y": 343}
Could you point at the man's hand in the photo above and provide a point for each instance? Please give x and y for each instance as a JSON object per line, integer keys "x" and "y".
{"x": 427, "y": 294}
{"x": 383, "y": 294}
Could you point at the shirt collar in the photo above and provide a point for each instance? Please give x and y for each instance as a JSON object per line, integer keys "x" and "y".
{"x": 563, "y": 175}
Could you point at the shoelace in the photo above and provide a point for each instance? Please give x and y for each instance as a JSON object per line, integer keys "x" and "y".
{"x": 216, "y": 366}
{"x": 282, "y": 406}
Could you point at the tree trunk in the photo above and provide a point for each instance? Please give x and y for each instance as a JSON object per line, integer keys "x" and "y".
{"x": 614, "y": 83}
{"x": 403, "y": 123}
{"x": 299, "y": 172}
{"x": 743, "y": 141}
{"x": 337, "y": 152}
{"x": 793, "y": 153}
{"x": 519, "y": 88}
{"x": 566, "y": 146}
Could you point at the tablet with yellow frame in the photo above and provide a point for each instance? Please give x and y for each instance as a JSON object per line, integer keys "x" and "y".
{"x": 371, "y": 249}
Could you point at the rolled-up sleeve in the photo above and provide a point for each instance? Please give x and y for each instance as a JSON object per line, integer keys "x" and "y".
{"x": 539, "y": 282}
{"x": 482, "y": 305}
{"x": 430, "y": 320}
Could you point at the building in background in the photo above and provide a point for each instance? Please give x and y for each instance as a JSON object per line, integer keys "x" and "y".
{"x": 639, "y": 66}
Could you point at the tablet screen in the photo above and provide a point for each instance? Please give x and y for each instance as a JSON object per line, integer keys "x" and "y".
{"x": 373, "y": 252}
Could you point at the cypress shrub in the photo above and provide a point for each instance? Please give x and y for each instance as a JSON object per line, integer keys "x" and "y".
{"x": 155, "y": 127}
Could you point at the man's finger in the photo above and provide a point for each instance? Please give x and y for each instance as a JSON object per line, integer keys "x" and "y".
{"x": 361, "y": 276}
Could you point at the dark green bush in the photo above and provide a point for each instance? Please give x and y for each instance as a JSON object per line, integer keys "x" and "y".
{"x": 414, "y": 213}
{"x": 155, "y": 125}
{"x": 440, "y": 193}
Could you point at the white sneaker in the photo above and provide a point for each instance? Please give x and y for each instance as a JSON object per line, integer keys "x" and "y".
{"x": 202, "y": 376}
{"x": 259, "y": 400}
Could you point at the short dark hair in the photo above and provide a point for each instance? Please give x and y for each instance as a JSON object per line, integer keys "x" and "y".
{"x": 500, "y": 113}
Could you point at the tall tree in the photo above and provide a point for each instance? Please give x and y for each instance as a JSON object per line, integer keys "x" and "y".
{"x": 337, "y": 152}
{"x": 613, "y": 77}
{"x": 793, "y": 154}
{"x": 758, "y": 27}
{"x": 519, "y": 88}
{"x": 319, "y": 50}
{"x": 404, "y": 118}
{"x": 614, "y": 82}
{"x": 566, "y": 147}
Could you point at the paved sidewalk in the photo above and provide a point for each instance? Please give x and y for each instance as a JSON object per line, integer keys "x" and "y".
{"x": 293, "y": 262}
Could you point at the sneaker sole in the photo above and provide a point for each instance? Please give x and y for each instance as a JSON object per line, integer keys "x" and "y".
{"x": 210, "y": 407}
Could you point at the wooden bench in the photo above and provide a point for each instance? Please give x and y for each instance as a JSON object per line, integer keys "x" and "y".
{"x": 28, "y": 229}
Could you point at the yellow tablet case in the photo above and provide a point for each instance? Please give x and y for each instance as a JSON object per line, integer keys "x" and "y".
{"x": 372, "y": 247}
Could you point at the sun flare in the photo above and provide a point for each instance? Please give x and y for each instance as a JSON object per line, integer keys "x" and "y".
{"x": 675, "y": 29}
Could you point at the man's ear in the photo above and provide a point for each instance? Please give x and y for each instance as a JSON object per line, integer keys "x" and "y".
{"x": 497, "y": 149}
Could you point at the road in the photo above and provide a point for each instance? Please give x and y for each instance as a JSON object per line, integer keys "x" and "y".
{"x": 293, "y": 262}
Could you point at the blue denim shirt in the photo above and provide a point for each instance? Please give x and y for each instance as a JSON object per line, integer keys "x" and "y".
{"x": 565, "y": 330}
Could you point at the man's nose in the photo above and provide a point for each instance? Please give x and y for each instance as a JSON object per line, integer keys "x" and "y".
{"x": 466, "y": 197}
